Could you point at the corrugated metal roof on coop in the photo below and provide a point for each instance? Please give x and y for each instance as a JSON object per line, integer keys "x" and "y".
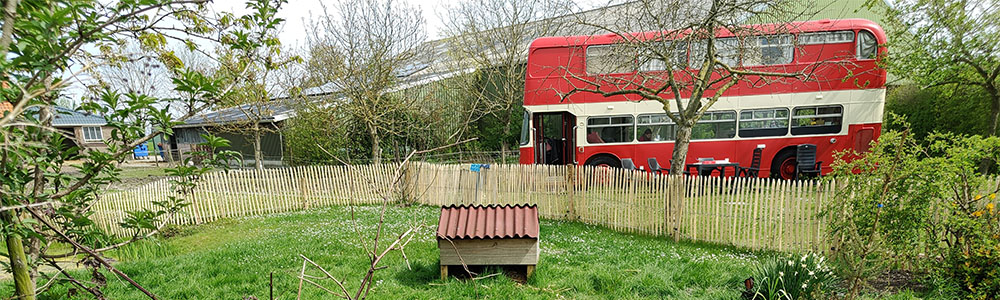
{"x": 488, "y": 222}
{"x": 492, "y": 235}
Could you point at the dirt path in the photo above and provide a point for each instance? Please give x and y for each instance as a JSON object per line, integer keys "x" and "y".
{"x": 67, "y": 265}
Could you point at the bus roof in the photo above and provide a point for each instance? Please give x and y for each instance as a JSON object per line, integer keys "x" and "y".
{"x": 792, "y": 27}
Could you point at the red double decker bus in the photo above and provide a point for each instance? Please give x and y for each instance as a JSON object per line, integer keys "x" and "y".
{"x": 838, "y": 107}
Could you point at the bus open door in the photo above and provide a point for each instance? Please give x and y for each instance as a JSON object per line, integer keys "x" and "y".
{"x": 554, "y": 138}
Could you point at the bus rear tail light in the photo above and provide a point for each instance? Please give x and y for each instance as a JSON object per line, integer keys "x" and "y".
{"x": 863, "y": 139}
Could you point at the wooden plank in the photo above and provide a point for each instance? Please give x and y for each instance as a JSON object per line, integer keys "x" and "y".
{"x": 489, "y": 252}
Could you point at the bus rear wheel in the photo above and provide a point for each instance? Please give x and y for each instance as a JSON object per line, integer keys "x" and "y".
{"x": 783, "y": 166}
{"x": 604, "y": 161}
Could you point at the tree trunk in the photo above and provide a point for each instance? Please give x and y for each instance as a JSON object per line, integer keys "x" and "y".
{"x": 24, "y": 286}
{"x": 258, "y": 157}
{"x": 985, "y": 165}
{"x": 504, "y": 147}
{"x": 376, "y": 147}
{"x": 681, "y": 143}
{"x": 7, "y": 36}
{"x": 994, "y": 111}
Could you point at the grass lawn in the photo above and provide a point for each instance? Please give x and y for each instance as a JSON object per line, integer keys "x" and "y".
{"x": 231, "y": 259}
{"x": 142, "y": 172}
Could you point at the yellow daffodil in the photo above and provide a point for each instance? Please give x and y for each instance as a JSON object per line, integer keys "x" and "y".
{"x": 977, "y": 213}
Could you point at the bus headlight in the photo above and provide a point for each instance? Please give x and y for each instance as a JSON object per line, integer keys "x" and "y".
{"x": 833, "y": 140}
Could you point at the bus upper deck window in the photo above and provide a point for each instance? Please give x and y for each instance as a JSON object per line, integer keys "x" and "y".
{"x": 867, "y": 45}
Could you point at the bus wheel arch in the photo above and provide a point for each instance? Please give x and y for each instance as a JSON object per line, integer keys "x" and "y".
{"x": 783, "y": 164}
{"x": 605, "y": 160}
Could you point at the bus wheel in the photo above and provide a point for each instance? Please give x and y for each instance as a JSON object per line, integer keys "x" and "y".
{"x": 604, "y": 161}
{"x": 784, "y": 163}
{"x": 604, "y": 170}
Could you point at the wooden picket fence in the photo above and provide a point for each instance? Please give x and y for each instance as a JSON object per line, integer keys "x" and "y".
{"x": 749, "y": 212}
{"x": 252, "y": 192}
{"x": 755, "y": 213}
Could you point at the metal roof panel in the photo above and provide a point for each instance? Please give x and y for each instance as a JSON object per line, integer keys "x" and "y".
{"x": 488, "y": 221}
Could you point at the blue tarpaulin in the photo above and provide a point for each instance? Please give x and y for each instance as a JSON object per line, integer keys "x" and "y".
{"x": 477, "y": 167}
{"x": 140, "y": 151}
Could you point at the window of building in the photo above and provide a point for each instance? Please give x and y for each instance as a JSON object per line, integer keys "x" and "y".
{"x": 655, "y": 128}
{"x": 867, "y": 45}
{"x": 815, "y": 38}
{"x": 189, "y": 135}
{"x": 715, "y": 125}
{"x": 764, "y": 122}
{"x": 610, "y": 129}
{"x": 92, "y": 134}
{"x": 817, "y": 119}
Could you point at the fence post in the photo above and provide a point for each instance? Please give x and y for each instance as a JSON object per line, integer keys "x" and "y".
{"x": 677, "y": 203}
{"x": 571, "y": 191}
{"x": 405, "y": 184}
{"x": 304, "y": 185}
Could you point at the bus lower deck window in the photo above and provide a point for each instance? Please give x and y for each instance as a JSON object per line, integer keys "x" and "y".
{"x": 817, "y": 119}
{"x": 715, "y": 125}
{"x": 655, "y": 128}
{"x": 610, "y": 129}
{"x": 764, "y": 122}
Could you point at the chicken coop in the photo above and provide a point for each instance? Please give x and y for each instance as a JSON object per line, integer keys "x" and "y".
{"x": 490, "y": 235}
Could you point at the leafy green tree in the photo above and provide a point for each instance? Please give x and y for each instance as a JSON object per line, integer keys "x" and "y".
{"x": 939, "y": 43}
{"x": 656, "y": 73}
{"x": 44, "y": 204}
{"x": 492, "y": 37}
{"x": 254, "y": 72}
{"x": 957, "y": 109}
{"x": 358, "y": 52}
{"x": 911, "y": 198}
{"x": 310, "y": 139}
{"x": 880, "y": 209}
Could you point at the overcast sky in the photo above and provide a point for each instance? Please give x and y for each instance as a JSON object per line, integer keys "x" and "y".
{"x": 297, "y": 14}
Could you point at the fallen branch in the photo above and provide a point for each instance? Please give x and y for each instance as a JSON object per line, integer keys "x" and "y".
{"x": 487, "y": 276}
{"x": 6, "y": 208}
{"x": 301, "y": 278}
{"x": 328, "y": 275}
{"x": 62, "y": 271}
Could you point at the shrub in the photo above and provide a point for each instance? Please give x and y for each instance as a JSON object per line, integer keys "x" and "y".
{"x": 878, "y": 213}
{"x": 792, "y": 277}
{"x": 972, "y": 249}
{"x": 927, "y": 203}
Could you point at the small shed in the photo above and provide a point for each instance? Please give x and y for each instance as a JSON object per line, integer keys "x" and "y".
{"x": 490, "y": 235}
